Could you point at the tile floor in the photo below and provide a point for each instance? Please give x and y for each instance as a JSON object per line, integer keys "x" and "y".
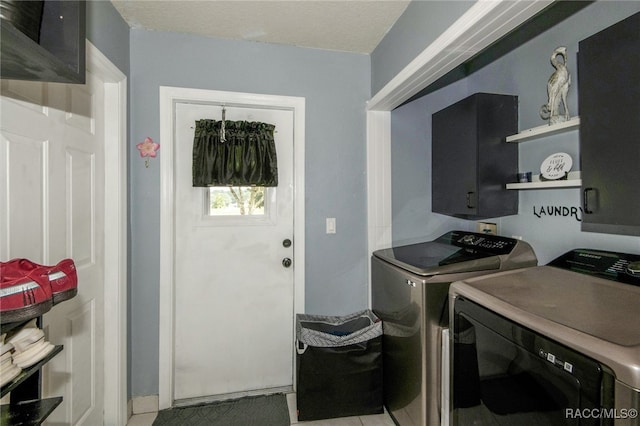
{"x": 372, "y": 420}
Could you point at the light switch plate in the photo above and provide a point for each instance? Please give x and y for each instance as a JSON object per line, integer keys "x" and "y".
{"x": 331, "y": 225}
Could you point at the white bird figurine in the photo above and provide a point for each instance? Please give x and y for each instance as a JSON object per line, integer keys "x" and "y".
{"x": 557, "y": 88}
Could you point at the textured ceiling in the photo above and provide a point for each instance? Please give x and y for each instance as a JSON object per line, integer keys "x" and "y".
{"x": 343, "y": 25}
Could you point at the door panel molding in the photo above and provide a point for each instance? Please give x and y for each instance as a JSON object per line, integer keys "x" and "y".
{"x": 24, "y": 225}
{"x": 81, "y": 222}
{"x": 169, "y": 96}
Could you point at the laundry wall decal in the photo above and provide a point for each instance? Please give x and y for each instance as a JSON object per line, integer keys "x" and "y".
{"x": 558, "y": 211}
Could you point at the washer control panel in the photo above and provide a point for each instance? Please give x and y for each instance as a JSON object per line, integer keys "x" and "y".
{"x": 621, "y": 267}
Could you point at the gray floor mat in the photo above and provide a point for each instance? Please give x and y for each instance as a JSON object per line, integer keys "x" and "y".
{"x": 268, "y": 410}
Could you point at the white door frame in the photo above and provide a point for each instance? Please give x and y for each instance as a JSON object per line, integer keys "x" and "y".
{"x": 115, "y": 239}
{"x": 169, "y": 96}
{"x": 481, "y": 25}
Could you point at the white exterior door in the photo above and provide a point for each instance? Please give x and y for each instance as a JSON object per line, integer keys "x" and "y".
{"x": 52, "y": 204}
{"x": 234, "y": 298}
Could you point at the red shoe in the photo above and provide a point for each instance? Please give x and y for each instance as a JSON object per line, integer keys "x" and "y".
{"x": 63, "y": 276}
{"x": 24, "y": 297}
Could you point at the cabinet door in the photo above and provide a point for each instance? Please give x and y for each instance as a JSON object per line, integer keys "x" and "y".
{"x": 497, "y": 160}
{"x": 455, "y": 159}
{"x": 609, "y": 102}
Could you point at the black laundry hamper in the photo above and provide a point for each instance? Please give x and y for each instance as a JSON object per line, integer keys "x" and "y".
{"x": 338, "y": 365}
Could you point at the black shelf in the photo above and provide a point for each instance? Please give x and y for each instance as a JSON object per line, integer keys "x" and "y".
{"x": 6, "y": 327}
{"x": 28, "y": 412}
{"x": 27, "y": 372}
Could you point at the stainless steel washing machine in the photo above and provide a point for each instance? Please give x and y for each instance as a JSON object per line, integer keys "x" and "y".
{"x": 409, "y": 294}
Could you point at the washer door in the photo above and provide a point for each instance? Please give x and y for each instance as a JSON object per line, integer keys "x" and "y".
{"x": 504, "y": 373}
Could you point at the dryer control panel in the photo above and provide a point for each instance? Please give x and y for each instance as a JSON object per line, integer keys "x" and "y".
{"x": 621, "y": 267}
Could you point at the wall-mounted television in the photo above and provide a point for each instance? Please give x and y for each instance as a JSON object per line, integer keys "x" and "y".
{"x": 43, "y": 40}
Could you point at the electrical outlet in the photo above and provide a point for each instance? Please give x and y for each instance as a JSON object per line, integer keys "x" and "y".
{"x": 487, "y": 228}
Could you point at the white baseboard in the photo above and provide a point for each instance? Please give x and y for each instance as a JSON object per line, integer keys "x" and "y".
{"x": 292, "y": 404}
{"x": 144, "y": 404}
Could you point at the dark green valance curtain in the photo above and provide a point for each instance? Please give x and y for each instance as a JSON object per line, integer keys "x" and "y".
{"x": 246, "y": 157}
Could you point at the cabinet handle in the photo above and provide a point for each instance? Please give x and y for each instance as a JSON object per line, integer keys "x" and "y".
{"x": 585, "y": 200}
{"x": 469, "y": 194}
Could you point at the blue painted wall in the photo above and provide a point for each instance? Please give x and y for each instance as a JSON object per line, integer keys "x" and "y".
{"x": 523, "y": 72}
{"x": 336, "y": 86}
{"x": 108, "y": 32}
{"x": 420, "y": 24}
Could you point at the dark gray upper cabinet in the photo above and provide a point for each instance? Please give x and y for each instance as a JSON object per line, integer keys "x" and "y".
{"x": 609, "y": 102}
{"x": 43, "y": 40}
{"x": 470, "y": 161}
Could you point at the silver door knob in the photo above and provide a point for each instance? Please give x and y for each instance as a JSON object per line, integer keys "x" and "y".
{"x": 286, "y": 262}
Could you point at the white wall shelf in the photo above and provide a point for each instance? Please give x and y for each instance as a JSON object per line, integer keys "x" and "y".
{"x": 546, "y": 130}
{"x": 572, "y": 181}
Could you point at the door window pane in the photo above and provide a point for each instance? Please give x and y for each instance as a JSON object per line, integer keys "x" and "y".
{"x": 237, "y": 201}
